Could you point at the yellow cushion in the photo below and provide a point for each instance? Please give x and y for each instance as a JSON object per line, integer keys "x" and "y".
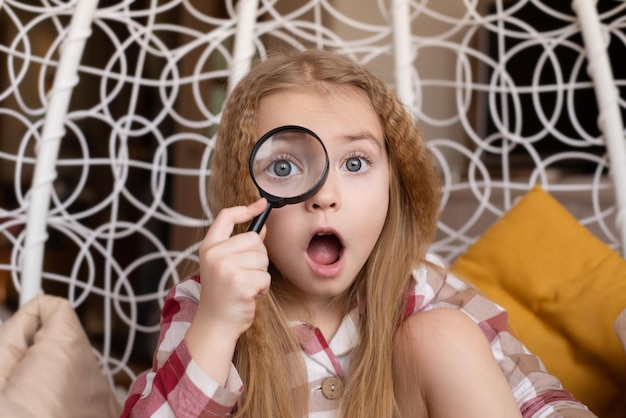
{"x": 563, "y": 288}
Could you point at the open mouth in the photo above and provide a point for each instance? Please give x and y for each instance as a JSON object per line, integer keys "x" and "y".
{"x": 324, "y": 249}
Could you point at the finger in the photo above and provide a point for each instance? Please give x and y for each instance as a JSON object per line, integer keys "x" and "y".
{"x": 263, "y": 232}
{"x": 225, "y": 221}
{"x": 257, "y": 284}
{"x": 246, "y": 257}
{"x": 262, "y": 292}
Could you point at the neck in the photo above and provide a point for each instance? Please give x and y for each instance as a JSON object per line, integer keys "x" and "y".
{"x": 325, "y": 316}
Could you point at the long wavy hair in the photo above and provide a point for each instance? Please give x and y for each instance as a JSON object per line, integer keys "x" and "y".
{"x": 264, "y": 365}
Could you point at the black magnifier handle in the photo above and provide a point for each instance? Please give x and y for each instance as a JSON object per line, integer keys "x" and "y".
{"x": 258, "y": 221}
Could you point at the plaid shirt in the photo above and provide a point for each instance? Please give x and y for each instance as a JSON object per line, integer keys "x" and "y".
{"x": 176, "y": 386}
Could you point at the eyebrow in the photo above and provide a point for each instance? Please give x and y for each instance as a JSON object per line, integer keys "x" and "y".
{"x": 359, "y": 136}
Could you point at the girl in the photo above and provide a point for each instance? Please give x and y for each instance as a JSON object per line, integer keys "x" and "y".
{"x": 335, "y": 308}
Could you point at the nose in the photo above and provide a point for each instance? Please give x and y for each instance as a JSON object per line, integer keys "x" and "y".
{"x": 327, "y": 198}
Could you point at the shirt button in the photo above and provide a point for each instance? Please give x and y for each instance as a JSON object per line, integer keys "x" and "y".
{"x": 332, "y": 387}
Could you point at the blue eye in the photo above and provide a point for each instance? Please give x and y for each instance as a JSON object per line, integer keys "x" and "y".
{"x": 354, "y": 164}
{"x": 282, "y": 168}
{"x": 357, "y": 162}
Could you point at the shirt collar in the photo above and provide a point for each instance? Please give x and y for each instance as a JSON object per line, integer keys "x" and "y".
{"x": 344, "y": 340}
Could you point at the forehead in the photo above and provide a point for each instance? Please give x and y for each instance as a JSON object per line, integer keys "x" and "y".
{"x": 328, "y": 111}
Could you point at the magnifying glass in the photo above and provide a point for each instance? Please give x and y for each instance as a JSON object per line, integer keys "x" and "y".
{"x": 288, "y": 165}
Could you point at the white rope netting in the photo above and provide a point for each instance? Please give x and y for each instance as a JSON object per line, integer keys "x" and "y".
{"x": 502, "y": 91}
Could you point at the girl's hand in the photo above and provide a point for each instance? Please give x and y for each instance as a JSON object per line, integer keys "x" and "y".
{"x": 233, "y": 273}
{"x": 233, "y": 270}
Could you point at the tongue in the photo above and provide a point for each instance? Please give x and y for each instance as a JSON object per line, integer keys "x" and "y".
{"x": 324, "y": 249}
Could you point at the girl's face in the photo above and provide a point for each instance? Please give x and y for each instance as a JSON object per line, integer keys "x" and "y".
{"x": 320, "y": 245}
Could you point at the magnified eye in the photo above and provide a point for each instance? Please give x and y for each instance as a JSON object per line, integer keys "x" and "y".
{"x": 282, "y": 166}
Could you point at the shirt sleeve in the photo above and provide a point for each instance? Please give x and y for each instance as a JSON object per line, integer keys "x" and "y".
{"x": 538, "y": 394}
{"x": 176, "y": 385}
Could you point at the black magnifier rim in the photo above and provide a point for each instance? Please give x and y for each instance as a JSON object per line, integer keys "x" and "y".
{"x": 279, "y": 201}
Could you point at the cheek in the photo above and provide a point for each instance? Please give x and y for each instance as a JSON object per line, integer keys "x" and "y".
{"x": 276, "y": 219}
{"x": 368, "y": 207}
{"x": 280, "y": 231}
{"x": 371, "y": 194}
{"x": 378, "y": 204}
{"x": 378, "y": 213}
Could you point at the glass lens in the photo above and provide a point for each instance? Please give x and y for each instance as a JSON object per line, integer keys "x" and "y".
{"x": 288, "y": 163}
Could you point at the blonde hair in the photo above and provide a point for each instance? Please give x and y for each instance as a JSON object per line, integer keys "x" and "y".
{"x": 409, "y": 228}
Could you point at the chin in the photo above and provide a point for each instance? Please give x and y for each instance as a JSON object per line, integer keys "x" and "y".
{"x": 333, "y": 291}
